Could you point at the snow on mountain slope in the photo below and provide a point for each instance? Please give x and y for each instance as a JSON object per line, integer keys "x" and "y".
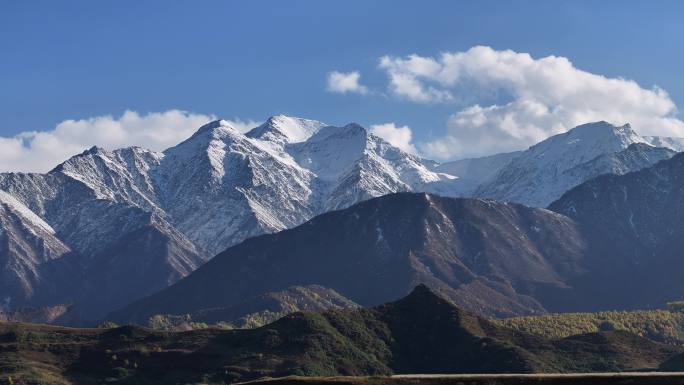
{"x": 467, "y": 174}
{"x": 91, "y": 202}
{"x": 221, "y": 186}
{"x": 148, "y": 255}
{"x": 635, "y": 157}
{"x": 331, "y": 151}
{"x": 36, "y": 223}
{"x": 353, "y": 165}
{"x": 47, "y": 195}
{"x": 542, "y": 173}
{"x": 676, "y": 144}
{"x": 120, "y": 176}
{"x": 26, "y": 242}
{"x": 285, "y": 129}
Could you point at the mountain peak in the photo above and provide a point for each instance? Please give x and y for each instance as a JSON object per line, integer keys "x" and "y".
{"x": 351, "y": 130}
{"x": 94, "y": 150}
{"x": 423, "y": 292}
{"x": 622, "y": 135}
{"x": 542, "y": 173}
{"x": 587, "y": 141}
{"x": 288, "y": 129}
{"x": 213, "y": 126}
{"x": 354, "y": 127}
{"x": 207, "y": 132}
{"x": 601, "y": 125}
{"x": 598, "y": 124}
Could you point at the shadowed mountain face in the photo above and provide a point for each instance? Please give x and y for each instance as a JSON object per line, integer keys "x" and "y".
{"x": 636, "y": 222}
{"x": 104, "y": 253}
{"x": 489, "y": 257}
{"x": 422, "y": 333}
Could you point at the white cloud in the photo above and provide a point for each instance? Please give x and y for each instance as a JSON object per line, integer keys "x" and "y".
{"x": 408, "y": 78}
{"x": 398, "y": 136}
{"x": 40, "y": 151}
{"x": 341, "y": 82}
{"x": 544, "y": 96}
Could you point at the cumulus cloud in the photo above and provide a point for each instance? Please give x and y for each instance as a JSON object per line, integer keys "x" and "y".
{"x": 410, "y": 78}
{"x": 536, "y": 98}
{"x": 398, "y": 136}
{"x": 40, "y": 151}
{"x": 343, "y": 83}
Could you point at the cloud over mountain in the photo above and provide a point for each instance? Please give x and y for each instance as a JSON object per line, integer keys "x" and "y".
{"x": 510, "y": 100}
{"x": 38, "y": 151}
{"x": 398, "y": 136}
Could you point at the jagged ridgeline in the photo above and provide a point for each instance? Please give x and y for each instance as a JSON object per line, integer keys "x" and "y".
{"x": 106, "y": 228}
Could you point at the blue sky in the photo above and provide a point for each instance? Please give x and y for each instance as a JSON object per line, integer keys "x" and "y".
{"x": 250, "y": 59}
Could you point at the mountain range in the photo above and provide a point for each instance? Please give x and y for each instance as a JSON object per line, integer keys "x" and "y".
{"x": 152, "y": 218}
{"x": 74, "y": 234}
{"x": 541, "y": 174}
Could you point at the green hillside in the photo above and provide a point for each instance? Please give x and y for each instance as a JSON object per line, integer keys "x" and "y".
{"x": 659, "y": 325}
{"x": 421, "y": 333}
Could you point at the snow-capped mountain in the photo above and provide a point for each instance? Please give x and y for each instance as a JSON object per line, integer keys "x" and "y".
{"x": 221, "y": 186}
{"x": 150, "y": 218}
{"x": 542, "y": 173}
{"x": 99, "y": 203}
{"x": 466, "y": 175}
{"x": 676, "y": 144}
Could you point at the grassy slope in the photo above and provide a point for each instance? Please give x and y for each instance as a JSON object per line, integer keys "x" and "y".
{"x": 256, "y": 311}
{"x": 421, "y": 333}
{"x": 658, "y": 325}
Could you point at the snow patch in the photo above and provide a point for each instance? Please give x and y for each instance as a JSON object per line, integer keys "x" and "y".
{"x": 26, "y": 213}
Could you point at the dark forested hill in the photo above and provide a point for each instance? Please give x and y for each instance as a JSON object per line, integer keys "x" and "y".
{"x": 422, "y": 333}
